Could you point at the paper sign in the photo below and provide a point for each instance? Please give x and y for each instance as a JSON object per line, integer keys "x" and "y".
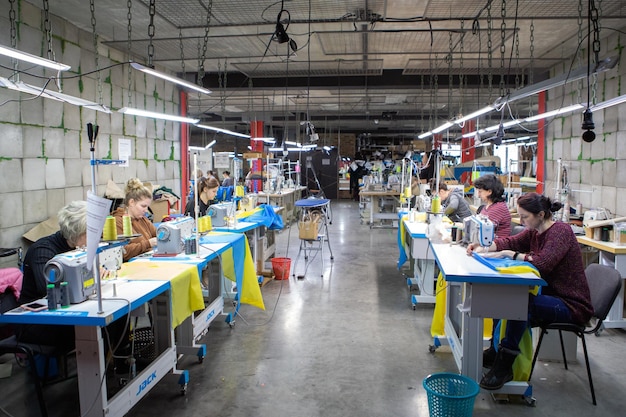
{"x": 124, "y": 149}
{"x": 98, "y": 208}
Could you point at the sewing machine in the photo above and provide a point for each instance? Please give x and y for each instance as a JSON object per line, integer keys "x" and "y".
{"x": 186, "y": 225}
{"x": 169, "y": 239}
{"x": 219, "y": 213}
{"x": 249, "y": 202}
{"x": 478, "y": 229}
{"x": 72, "y": 268}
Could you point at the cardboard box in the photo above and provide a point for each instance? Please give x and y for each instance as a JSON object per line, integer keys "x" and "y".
{"x": 160, "y": 208}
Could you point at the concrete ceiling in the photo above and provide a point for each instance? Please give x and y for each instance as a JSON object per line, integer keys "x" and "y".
{"x": 387, "y": 68}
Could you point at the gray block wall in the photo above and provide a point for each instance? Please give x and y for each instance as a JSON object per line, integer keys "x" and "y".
{"x": 44, "y": 148}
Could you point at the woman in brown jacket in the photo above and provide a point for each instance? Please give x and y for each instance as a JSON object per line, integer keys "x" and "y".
{"x": 136, "y": 203}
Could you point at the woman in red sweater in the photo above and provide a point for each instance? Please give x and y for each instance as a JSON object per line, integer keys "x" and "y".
{"x": 553, "y": 249}
{"x": 491, "y": 192}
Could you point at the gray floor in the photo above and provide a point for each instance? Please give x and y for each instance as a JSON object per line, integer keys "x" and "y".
{"x": 343, "y": 344}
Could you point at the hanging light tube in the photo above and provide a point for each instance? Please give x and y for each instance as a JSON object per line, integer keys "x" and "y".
{"x": 169, "y": 78}
{"x": 226, "y": 131}
{"x": 474, "y": 114}
{"x": 33, "y": 59}
{"x": 608, "y": 103}
{"x": 266, "y": 140}
{"x": 443, "y": 127}
{"x": 556, "y": 112}
{"x": 425, "y": 135}
{"x": 210, "y": 144}
{"x": 155, "y": 115}
{"x": 54, "y": 95}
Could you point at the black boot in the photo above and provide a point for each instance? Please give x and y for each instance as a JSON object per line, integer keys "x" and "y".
{"x": 489, "y": 356}
{"x": 502, "y": 370}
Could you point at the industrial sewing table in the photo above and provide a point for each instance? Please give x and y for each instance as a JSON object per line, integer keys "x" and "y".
{"x": 90, "y": 353}
{"x": 417, "y": 247}
{"x": 375, "y": 206}
{"x": 480, "y": 292}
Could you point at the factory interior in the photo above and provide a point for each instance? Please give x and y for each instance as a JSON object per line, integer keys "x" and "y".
{"x": 326, "y": 274}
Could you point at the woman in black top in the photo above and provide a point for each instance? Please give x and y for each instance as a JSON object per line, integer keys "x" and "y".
{"x": 207, "y": 190}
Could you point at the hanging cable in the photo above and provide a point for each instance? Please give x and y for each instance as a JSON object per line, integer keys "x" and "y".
{"x": 129, "y": 27}
{"x": 92, "y": 9}
{"x": 151, "y": 13}
{"x": 502, "y": 47}
{"x": 13, "y": 32}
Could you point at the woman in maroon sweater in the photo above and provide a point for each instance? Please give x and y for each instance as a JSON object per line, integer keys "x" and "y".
{"x": 553, "y": 249}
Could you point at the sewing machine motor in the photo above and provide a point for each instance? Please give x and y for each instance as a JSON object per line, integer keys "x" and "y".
{"x": 478, "y": 229}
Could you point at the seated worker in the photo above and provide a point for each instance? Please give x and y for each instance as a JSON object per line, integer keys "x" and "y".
{"x": 72, "y": 234}
{"x": 207, "y": 190}
{"x": 491, "y": 192}
{"x": 453, "y": 200}
{"x": 553, "y": 249}
{"x": 136, "y": 203}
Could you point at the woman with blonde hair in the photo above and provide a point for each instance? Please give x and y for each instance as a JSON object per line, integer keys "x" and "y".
{"x": 136, "y": 204}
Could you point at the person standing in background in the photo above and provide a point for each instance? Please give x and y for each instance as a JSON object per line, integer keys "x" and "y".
{"x": 136, "y": 204}
{"x": 227, "y": 181}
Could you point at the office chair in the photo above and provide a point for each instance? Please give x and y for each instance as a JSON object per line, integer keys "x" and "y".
{"x": 605, "y": 283}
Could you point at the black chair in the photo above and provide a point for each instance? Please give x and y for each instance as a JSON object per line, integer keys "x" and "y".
{"x": 605, "y": 283}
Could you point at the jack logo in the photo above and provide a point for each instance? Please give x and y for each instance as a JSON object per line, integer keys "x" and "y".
{"x": 146, "y": 382}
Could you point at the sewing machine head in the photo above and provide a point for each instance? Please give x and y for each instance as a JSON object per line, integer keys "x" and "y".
{"x": 169, "y": 239}
{"x": 478, "y": 229}
{"x": 72, "y": 268}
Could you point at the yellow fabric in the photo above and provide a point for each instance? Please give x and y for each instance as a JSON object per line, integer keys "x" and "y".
{"x": 244, "y": 214}
{"x": 523, "y": 362}
{"x": 184, "y": 283}
{"x": 437, "y": 324}
{"x": 521, "y": 269}
{"x": 250, "y": 293}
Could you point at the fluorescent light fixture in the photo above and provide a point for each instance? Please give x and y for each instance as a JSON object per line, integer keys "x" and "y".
{"x": 266, "y": 140}
{"x": 327, "y": 148}
{"x": 298, "y": 149}
{"x": 309, "y": 146}
{"x": 210, "y": 144}
{"x": 474, "y": 115}
{"x": 527, "y": 143}
{"x": 577, "y": 74}
{"x": 226, "y": 131}
{"x": 608, "y": 103}
{"x": 155, "y": 115}
{"x": 275, "y": 149}
{"x": 443, "y": 127}
{"x": 170, "y": 78}
{"x": 249, "y": 147}
{"x": 54, "y": 95}
{"x": 556, "y": 112}
{"x": 195, "y": 148}
{"x": 290, "y": 142}
{"x": 425, "y": 135}
{"x": 33, "y": 59}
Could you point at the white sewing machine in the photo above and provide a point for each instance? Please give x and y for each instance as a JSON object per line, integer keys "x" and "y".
{"x": 478, "y": 229}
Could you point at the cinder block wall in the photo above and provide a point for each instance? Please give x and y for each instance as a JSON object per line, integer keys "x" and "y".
{"x": 44, "y": 148}
{"x": 596, "y": 170}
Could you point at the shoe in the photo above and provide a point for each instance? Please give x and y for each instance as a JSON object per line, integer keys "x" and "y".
{"x": 489, "y": 356}
{"x": 501, "y": 371}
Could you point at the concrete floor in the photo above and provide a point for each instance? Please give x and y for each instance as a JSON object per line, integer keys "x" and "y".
{"x": 343, "y": 344}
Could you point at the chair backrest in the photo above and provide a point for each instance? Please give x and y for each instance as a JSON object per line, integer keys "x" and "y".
{"x": 604, "y": 283}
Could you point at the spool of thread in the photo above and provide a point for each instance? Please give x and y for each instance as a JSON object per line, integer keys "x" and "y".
{"x": 127, "y": 225}
{"x": 407, "y": 192}
{"x": 435, "y": 204}
{"x": 65, "y": 295}
{"x": 110, "y": 229}
{"x": 208, "y": 224}
{"x": 202, "y": 224}
{"x": 51, "y": 291}
{"x": 239, "y": 192}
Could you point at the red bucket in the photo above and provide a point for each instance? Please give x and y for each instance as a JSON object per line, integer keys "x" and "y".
{"x": 281, "y": 267}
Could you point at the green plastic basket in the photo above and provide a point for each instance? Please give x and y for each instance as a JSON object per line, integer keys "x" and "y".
{"x": 450, "y": 395}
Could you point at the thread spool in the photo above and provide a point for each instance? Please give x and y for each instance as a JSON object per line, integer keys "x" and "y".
{"x": 110, "y": 229}
{"x": 435, "y": 204}
{"x": 51, "y": 292}
{"x": 127, "y": 225}
{"x": 65, "y": 295}
{"x": 208, "y": 224}
{"x": 239, "y": 191}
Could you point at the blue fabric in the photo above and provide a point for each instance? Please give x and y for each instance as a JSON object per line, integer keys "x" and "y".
{"x": 312, "y": 202}
{"x": 238, "y": 242}
{"x": 267, "y": 217}
{"x": 498, "y": 264}
{"x": 225, "y": 193}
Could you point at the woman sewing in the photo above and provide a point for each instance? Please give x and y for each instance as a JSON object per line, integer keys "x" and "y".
{"x": 136, "y": 204}
{"x": 207, "y": 190}
{"x": 553, "y": 249}
{"x": 491, "y": 192}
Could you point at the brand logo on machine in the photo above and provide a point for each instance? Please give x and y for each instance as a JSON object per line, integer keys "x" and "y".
{"x": 211, "y": 314}
{"x": 146, "y": 382}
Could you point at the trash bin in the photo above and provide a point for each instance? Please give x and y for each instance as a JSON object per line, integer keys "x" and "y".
{"x": 281, "y": 267}
{"x": 450, "y": 395}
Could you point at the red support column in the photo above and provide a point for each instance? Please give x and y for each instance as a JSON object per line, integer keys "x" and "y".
{"x": 541, "y": 144}
{"x": 468, "y": 152}
{"x": 256, "y": 131}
